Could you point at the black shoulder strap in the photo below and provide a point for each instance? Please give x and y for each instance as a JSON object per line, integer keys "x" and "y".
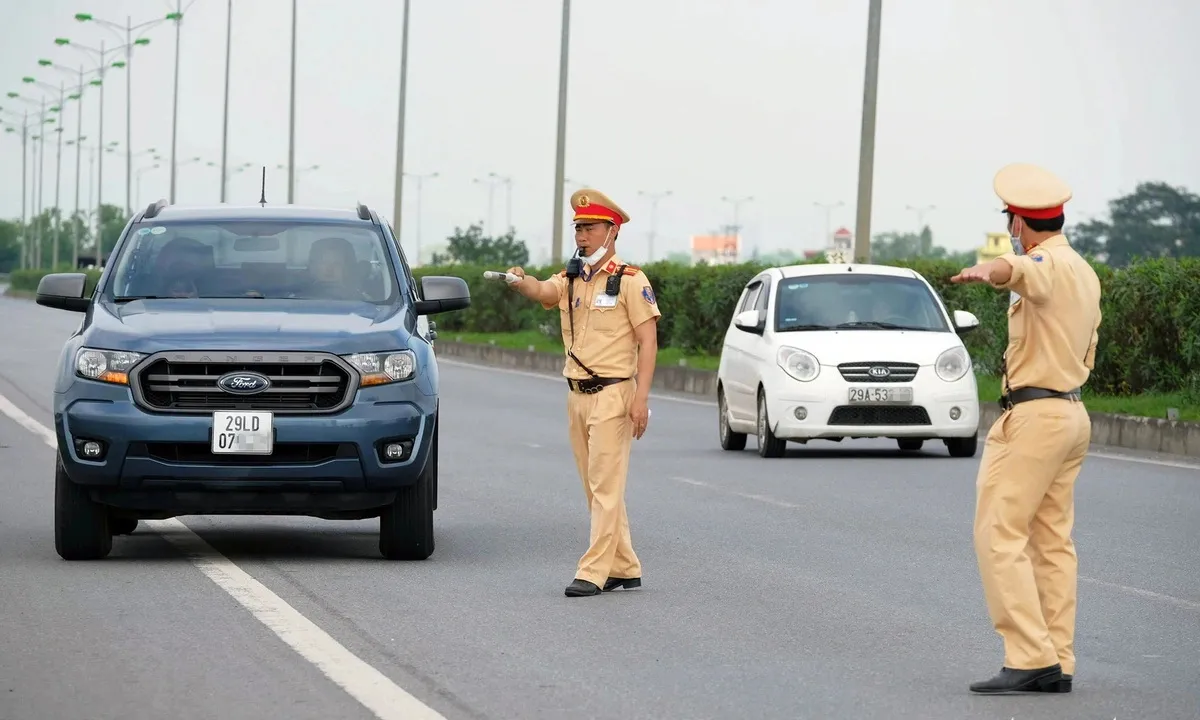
{"x": 571, "y": 320}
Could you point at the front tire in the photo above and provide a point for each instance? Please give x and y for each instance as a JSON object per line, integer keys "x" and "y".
{"x": 730, "y": 440}
{"x": 963, "y": 447}
{"x": 406, "y": 526}
{"x": 769, "y": 446}
{"x": 81, "y": 530}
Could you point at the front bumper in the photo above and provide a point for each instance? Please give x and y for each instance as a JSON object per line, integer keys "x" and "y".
{"x": 150, "y": 456}
{"x": 821, "y": 408}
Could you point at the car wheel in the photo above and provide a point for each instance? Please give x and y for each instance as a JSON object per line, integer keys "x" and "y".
{"x": 730, "y": 440}
{"x": 963, "y": 447}
{"x": 81, "y": 530}
{"x": 769, "y": 446}
{"x": 406, "y": 526}
{"x": 910, "y": 445}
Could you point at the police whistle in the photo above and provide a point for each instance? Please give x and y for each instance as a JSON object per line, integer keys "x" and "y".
{"x": 505, "y": 276}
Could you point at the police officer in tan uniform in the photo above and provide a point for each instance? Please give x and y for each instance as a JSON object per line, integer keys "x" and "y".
{"x": 609, "y": 329}
{"x": 1025, "y": 505}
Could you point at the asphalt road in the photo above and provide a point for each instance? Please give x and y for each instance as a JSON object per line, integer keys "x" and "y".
{"x": 835, "y": 583}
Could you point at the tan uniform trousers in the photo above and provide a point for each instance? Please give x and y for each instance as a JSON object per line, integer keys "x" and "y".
{"x": 1025, "y": 510}
{"x": 601, "y": 435}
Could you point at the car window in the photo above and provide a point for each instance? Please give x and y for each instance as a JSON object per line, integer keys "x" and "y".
{"x": 299, "y": 260}
{"x": 856, "y": 301}
{"x": 750, "y": 297}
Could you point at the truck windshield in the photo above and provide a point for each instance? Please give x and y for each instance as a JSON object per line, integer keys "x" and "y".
{"x": 255, "y": 259}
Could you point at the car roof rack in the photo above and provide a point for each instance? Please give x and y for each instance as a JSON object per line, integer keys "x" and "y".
{"x": 154, "y": 209}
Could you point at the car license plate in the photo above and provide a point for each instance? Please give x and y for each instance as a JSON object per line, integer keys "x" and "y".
{"x": 881, "y": 395}
{"x": 243, "y": 433}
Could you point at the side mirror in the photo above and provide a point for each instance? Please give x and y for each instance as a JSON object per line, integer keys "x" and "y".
{"x": 752, "y": 321}
{"x": 443, "y": 293}
{"x": 964, "y": 322}
{"x": 63, "y": 291}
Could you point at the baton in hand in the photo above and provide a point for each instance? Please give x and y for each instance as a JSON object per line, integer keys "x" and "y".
{"x": 505, "y": 276}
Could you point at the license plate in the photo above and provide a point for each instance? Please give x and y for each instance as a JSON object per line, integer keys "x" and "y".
{"x": 881, "y": 395}
{"x": 243, "y": 433}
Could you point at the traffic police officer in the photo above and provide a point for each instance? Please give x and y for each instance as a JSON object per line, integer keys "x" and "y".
{"x": 609, "y": 329}
{"x": 1025, "y": 505}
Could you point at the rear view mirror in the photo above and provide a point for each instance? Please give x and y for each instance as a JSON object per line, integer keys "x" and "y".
{"x": 443, "y": 293}
{"x": 752, "y": 321}
{"x": 63, "y": 291}
{"x": 964, "y": 322}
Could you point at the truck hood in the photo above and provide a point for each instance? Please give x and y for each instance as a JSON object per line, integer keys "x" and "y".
{"x": 149, "y": 326}
{"x": 834, "y": 347}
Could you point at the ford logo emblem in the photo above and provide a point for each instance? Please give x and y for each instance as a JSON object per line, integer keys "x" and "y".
{"x": 879, "y": 371}
{"x": 243, "y": 383}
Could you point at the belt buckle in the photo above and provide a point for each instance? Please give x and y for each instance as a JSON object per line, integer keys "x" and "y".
{"x": 1005, "y": 403}
{"x": 591, "y": 388}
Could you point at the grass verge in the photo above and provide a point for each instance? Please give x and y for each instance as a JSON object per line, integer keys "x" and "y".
{"x": 1151, "y": 405}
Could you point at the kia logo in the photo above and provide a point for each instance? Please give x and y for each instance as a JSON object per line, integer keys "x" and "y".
{"x": 243, "y": 383}
{"x": 879, "y": 371}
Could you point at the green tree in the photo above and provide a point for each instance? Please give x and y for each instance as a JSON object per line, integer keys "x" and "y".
{"x": 1156, "y": 220}
{"x": 470, "y": 247}
{"x": 10, "y": 246}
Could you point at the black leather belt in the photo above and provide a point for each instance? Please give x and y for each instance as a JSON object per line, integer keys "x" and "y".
{"x": 1025, "y": 394}
{"x": 592, "y": 385}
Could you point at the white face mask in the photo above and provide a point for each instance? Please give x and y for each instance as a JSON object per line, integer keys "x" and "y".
{"x": 594, "y": 258}
{"x": 1018, "y": 248}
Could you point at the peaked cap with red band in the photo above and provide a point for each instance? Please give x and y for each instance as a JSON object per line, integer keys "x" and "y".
{"x": 1030, "y": 191}
{"x": 594, "y": 206}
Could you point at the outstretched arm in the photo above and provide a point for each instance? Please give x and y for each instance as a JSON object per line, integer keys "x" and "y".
{"x": 546, "y": 292}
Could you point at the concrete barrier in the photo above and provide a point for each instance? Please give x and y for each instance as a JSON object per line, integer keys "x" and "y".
{"x": 1175, "y": 437}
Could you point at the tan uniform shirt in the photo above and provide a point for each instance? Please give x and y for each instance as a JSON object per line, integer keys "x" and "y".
{"x": 604, "y": 339}
{"x": 1053, "y": 327}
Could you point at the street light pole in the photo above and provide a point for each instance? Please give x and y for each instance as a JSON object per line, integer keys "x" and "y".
{"x": 291, "y": 189}
{"x": 225, "y": 113}
{"x": 24, "y": 179}
{"x": 920, "y": 211}
{"x": 652, "y": 235}
{"x": 398, "y": 200}
{"x": 560, "y": 156}
{"x": 420, "y": 186}
{"x": 828, "y": 208}
{"x": 866, "y": 154}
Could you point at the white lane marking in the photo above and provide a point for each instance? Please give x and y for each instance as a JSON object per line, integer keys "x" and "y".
{"x": 1182, "y": 464}
{"x": 1129, "y": 589}
{"x": 375, "y": 691}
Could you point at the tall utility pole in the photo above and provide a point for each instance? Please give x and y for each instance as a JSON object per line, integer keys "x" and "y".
{"x": 420, "y": 183}
{"x": 920, "y": 211}
{"x": 737, "y": 205}
{"x": 560, "y": 157}
{"x": 652, "y": 235}
{"x": 225, "y": 113}
{"x": 866, "y": 153}
{"x": 291, "y": 189}
{"x": 828, "y": 208}
{"x": 398, "y": 201}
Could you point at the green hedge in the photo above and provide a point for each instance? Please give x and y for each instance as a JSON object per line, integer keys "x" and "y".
{"x": 27, "y": 280}
{"x": 1149, "y": 339}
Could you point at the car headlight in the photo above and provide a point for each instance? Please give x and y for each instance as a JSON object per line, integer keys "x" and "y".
{"x": 383, "y": 368}
{"x": 799, "y": 364}
{"x": 952, "y": 364}
{"x": 110, "y": 366}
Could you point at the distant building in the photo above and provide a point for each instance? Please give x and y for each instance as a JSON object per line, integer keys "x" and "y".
{"x": 996, "y": 245}
{"x": 716, "y": 249}
{"x": 841, "y": 248}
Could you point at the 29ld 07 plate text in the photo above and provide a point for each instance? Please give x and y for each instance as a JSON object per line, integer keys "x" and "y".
{"x": 243, "y": 433}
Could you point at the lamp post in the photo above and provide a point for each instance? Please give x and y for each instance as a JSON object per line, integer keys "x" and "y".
{"x": 126, "y": 32}
{"x": 36, "y": 196}
{"x": 920, "y": 211}
{"x": 828, "y": 208}
{"x": 11, "y": 129}
{"x": 491, "y": 181}
{"x": 654, "y": 199}
{"x": 737, "y": 205}
{"x": 142, "y": 171}
{"x": 58, "y": 131}
{"x": 291, "y": 163}
{"x": 420, "y": 182}
{"x": 225, "y": 110}
{"x": 398, "y": 200}
{"x": 294, "y": 176}
{"x": 866, "y": 153}
{"x": 560, "y": 155}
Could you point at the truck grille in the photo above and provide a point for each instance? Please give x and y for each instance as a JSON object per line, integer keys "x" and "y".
{"x": 878, "y": 372}
{"x": 300, "y": 383}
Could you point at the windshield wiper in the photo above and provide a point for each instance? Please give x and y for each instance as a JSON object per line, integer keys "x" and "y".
{"x": 129, "y": 298}
{"x": 789, "y": 328}
{"x": 877, "y": 325}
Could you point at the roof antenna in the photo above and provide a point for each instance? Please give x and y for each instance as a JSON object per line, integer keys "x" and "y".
{"x": 262, "y": 200}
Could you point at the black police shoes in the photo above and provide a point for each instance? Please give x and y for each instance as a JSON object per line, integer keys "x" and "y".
{"x": 1047, "y": 679}
{"x": 582, "y": 588}
{"x": 627, "y": 583}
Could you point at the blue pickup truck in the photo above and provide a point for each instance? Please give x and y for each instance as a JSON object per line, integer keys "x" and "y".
{"x": 249, "y": 361}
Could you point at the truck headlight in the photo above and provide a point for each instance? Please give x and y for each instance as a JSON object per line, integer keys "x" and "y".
{"x": 383, "y": 368}
{"x": 110, "y": 366}
{"x": 952, "y": 364}
{"x": 799, "y": 364}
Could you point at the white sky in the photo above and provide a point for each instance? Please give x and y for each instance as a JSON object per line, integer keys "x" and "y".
{"x": 706, "y": 98}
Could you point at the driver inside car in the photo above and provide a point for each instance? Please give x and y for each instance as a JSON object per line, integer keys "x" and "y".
{"x": 330, "y": 262}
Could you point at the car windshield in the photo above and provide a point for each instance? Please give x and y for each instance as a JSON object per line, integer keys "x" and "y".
{"x": 856, "y": 301}
{"x": 255, "y": 259}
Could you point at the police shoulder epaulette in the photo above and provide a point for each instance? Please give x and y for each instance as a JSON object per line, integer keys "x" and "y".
{"x": 632, "y": 270}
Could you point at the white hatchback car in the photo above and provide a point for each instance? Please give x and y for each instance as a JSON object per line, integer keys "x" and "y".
{"x": 846, "y": 351}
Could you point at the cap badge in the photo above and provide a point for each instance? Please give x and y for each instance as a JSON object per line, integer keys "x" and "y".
{"x": 583, "y": 201}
